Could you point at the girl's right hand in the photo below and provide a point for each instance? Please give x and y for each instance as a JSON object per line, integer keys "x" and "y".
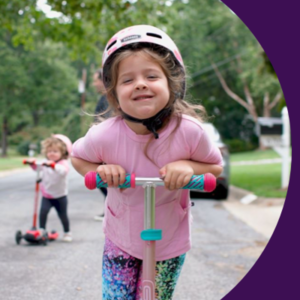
{"x": 113, "y": 175}
{"x": 30, "y": 160}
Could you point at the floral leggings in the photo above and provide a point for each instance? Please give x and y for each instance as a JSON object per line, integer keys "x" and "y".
{"x": 122, "y": 275}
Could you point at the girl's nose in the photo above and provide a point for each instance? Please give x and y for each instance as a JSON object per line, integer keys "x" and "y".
{"x": 140, "y": 85}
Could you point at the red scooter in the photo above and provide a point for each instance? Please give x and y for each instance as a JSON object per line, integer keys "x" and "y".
{"x": 35, "y": 235}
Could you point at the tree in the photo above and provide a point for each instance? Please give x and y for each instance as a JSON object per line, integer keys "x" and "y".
{"x": 13, "y": 82}
{"x": 218, "y": 48}
{"x": 40, "y": 83}
{"x": 83, "y": 26}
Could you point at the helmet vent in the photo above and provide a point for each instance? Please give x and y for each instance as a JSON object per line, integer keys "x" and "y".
{"x": 111, "y": 45}
{"x": 154, "y": 35}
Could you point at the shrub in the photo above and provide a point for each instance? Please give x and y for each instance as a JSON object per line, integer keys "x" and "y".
{"x": 238, "y": 145}
{"x": 23, "y": 147}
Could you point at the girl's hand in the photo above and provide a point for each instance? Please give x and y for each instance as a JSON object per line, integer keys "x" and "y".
{"x": 49, "y": 163}
{"x": 176, "y": 174}
{"x": 30, "y": 160}
{"x": 113, "y": 175}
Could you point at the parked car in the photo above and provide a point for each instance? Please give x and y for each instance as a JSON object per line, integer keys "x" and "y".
{"x": 222, "y": 189}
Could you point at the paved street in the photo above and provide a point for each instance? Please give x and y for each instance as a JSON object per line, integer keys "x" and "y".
{"x": 224, "y": 248}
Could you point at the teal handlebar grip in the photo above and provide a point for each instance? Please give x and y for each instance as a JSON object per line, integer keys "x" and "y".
{"x": 93, "y": 180}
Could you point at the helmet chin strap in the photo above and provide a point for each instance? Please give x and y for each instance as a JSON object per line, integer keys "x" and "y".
{"x": 154, "y": 123}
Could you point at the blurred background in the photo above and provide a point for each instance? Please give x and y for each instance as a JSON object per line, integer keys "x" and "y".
{"x": 49, "y": 51}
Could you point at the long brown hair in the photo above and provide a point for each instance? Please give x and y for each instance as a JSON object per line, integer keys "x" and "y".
{"x": 176, "y": 83}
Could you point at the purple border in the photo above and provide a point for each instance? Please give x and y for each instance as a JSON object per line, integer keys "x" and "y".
{"x": 276, "y": 25}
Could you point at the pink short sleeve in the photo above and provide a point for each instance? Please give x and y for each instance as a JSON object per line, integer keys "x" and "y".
{"x": 201, "y": 147}
{"x": 84, "y": 147}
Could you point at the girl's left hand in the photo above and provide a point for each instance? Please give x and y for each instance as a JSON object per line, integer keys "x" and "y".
{"x": 176, "y": 174}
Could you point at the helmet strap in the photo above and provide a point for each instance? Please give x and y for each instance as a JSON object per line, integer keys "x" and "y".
{"x": 154, "y": 123}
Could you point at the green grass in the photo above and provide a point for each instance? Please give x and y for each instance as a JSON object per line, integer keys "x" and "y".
{"x": 263, "y": 180}
{"x": 13, "y": 160}
{"x": 8, "y": 163}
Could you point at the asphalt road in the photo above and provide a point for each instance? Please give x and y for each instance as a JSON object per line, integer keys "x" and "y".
{"x": 224, "y": 248}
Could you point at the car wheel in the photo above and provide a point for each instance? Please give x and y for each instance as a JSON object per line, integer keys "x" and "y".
{"x": 220, "y": 193}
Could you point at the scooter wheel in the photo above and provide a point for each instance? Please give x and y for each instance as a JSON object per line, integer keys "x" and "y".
{"x": 18, "y": 237}
{"x": 44, "y": 239}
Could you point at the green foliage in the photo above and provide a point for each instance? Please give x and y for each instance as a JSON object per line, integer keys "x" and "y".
{"x": 207, "y": 31}
{"x": 23, "y": 148}
{"x": 83, "y": 27}
{"x": 238, "y": 145}
{"x": 42, "y": 58}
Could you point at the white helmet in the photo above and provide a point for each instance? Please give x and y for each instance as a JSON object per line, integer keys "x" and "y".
{"x": 138, "y": 34}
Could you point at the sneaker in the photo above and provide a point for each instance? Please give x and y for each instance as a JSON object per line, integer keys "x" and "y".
{"x": 67, "y": 237}
{"x": 99, "y": 217}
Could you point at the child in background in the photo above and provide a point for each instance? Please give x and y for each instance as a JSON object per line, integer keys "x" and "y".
{"x": 54, "y": 185}
{"x": 153, "y": 133}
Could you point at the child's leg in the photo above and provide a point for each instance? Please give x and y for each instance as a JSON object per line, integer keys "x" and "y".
{"x": 61, "y": 205}
{"x": 167, "y": 274}
{"x": 120, "y": 272}
{"x": 44, "y": 210}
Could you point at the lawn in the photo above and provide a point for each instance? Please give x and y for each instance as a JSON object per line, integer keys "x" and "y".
{"x": 263, "y": 180}
{"x": 12, "y": 161}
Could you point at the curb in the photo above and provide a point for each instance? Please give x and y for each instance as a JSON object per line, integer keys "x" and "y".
{"x": 237, "y": 194}
{"x": 13, "y": 171}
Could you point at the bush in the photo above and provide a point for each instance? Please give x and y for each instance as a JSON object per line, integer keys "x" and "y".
{"x": 23, "y": 139}
{"x": 23, "y": 147}
{"x": 238, "y": 145}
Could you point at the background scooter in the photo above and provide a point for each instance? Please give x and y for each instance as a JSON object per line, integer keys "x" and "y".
{"x": 35, "y": 235}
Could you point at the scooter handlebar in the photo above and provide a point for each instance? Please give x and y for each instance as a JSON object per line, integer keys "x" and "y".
{"x": 205, "y": 182}
{"x": 35, "y": 163}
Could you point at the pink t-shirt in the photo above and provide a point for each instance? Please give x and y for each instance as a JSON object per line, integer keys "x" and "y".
{"x": 113, "y": 142}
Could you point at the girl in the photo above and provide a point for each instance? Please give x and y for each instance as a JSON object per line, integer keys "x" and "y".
{"x": 154, "y": 133}
{"x": 54, "y": 186}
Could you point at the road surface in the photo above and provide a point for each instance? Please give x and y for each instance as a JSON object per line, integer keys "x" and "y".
{"x": 224, "y": 247}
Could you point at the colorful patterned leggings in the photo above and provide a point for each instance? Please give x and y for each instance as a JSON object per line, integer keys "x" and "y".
{"x": 122, "y": 275}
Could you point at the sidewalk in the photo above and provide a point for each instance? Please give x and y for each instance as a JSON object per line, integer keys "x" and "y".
{"x": 262, "y": 214}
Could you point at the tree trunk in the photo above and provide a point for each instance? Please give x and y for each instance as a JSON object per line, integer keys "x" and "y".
{"x": 4, "y": 137}
{"x": 35, "y": 117}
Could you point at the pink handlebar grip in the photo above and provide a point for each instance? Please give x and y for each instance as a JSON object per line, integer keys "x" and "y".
{"x": 90, "y": 180}
{"x": 209, "y": 182}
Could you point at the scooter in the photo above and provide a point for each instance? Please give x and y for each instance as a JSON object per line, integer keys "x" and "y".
{"x": 35, "y": 235}
{"x": 150, "y": 235}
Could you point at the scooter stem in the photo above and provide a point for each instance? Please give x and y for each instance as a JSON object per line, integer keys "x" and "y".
{"x": 36, "y": 198}
{"x": 148, "y": 280}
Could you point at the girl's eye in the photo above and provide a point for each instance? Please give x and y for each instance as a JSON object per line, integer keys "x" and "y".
{"x": 126, "y": 80}
{"x": 152, "y": 76}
